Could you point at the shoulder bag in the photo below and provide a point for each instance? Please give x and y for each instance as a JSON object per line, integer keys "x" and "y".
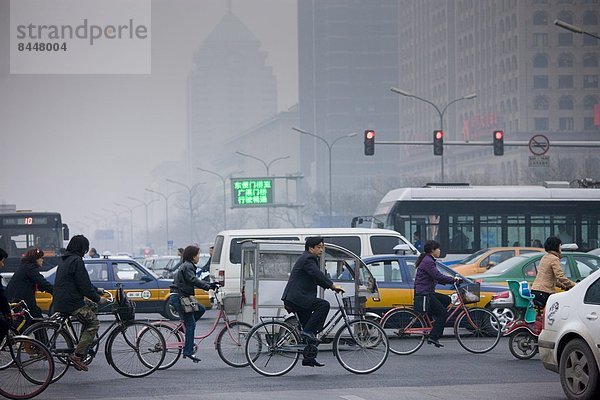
{"x": 189, "y": 304}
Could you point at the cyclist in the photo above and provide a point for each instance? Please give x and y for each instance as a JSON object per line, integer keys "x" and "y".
{"x": 5, "y": 316}
{"x": 27, "y": 280}
{"x": 184, "y": 282}
{"x": 71, "y": 286}
{"x": 300, "y": 293}
{"x": 550, "y": 273}
{"x": 427, "y": 276}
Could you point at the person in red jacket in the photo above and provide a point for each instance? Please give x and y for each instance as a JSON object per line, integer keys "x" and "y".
{"x": 426, "y": 278}
{"x": 27, "y": 280}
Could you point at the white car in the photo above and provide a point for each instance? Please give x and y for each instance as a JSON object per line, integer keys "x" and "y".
{"x": 570, "y": 341}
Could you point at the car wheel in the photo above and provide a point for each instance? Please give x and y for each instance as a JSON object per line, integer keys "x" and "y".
{"x": 170, "y": 312}
{"x": 578, "y": 370}
{"x": 504, "y": 315}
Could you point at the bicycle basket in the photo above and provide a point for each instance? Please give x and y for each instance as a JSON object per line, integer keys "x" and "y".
{"x": 123, "y": 307}
{"x": 470, "y": 293}
{"x": 351, "y": 307}
{"x": 125, "y": 311}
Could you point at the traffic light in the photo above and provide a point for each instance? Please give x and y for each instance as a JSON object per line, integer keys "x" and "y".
{"x": 498, "y": 143}
{"x": 369, "y": 142}
{"x": 438, "y": 143}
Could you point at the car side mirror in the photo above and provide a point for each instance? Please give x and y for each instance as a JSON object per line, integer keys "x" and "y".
{"x": 490, "y": 264}
{"x": 146, "y": 278}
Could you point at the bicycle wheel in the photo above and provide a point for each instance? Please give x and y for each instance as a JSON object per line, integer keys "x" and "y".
{"x": 272, "y": 348}
{"x": 30, "y": 371}
{"x": 361, "y": 346}
{"x": 523, "y": 344}
{"x": 135, "y": 349}
{"x": 477, "y": 330}
{"x": 230, "y": 343}
{"x": 405, "y": 331}
{"x": 58, "y": 342}
{"x": 174, "y": 341}
{"x": 6, "y": 361}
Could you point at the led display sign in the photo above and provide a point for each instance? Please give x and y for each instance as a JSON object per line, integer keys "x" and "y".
{"x": 252, "y": 192}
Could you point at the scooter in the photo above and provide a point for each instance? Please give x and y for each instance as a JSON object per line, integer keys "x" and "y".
{"x": 524, "y": 331}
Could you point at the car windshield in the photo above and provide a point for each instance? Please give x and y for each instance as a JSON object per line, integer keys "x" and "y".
{"x": 472, "y": 257}
{"x": 508, "y": 264}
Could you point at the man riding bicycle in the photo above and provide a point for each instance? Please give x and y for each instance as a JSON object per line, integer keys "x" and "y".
{"x": 300, "y": 293}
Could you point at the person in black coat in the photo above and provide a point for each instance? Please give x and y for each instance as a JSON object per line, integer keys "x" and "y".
{"x": 27, "y": 280}
{"x": 71, "y": 286}
{"x": 184, "y": 284}
{"x": 300, "y": 293}
{"x": 5, "y": 315}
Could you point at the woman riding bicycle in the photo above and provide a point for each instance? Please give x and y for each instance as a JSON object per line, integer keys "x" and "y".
{"x": 184, "y": 282}
{"x": 426, "y": 278}
{"x": 550, "y": 273}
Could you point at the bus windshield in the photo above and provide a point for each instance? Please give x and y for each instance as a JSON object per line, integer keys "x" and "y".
{"x": 22, "y": 231}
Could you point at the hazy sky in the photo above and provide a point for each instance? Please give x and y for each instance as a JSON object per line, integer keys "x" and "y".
{"x": 77, "y": 143}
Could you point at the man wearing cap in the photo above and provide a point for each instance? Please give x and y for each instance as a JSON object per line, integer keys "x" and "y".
{"x": 300, "y": 293}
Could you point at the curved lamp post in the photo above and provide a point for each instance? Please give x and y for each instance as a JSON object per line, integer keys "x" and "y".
{"x": 224, "y": 180}
{"x": 191, "y": 193}
{"x": 440, "y": 112}
{"x": 329, "y": 147}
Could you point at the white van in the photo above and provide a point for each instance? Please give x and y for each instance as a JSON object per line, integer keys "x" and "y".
{"x": 226, "y": 259}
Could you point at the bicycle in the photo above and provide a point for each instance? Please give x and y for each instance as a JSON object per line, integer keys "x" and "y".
{"x": 476, "y": 329}
{"x": 26, "y": 367}
{"x": 273, "y": 347}
{"x": 133, "y": 348}
{"x": 228, "y": 343}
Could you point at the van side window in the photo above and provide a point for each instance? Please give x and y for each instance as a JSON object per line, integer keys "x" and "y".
{"x": 351, "y": 243}
{"x": 384, "y": 244}
{"x": 235, "y": 247}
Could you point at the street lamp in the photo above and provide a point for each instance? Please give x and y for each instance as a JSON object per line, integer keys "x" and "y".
{"x": 130, "y": 209}
{"x": 145, "y": 204}
{"x": 118, "y": 238}
{"x": 329, "y": 147}
{"x": 224, "y": 180}
{"x": 440, "y": 112}
{"x": 191, "y": 196}
{"x": 573, "y": 28}
{"x": 267, "y": 166}
{"x": 166, "y": 197}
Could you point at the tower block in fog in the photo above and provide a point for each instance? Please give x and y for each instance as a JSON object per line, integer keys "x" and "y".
{"x": 230, "y": 88}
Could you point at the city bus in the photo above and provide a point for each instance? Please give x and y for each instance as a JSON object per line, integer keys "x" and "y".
{"x": 22, "y": 230}
{"x": 465, "y": 219}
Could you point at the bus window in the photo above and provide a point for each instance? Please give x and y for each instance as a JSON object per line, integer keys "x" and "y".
{"x": 490, "y": 234}
{"x": 461, "y": 235}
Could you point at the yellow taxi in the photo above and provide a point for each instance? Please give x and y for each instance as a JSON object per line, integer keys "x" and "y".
{"x": 150, "y": 294}
{"x": 485, "y": 259}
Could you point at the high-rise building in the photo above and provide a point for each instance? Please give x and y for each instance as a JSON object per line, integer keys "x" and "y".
{"x": 348, "y": 59}
{"x": 529, "y": 75}
{"x": 229, "y": 90}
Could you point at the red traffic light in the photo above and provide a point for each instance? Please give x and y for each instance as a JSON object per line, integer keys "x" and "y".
{"x": 369, "y": 142}
{"x": 498, "y": 135}
{"x": 439, "y": 135}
